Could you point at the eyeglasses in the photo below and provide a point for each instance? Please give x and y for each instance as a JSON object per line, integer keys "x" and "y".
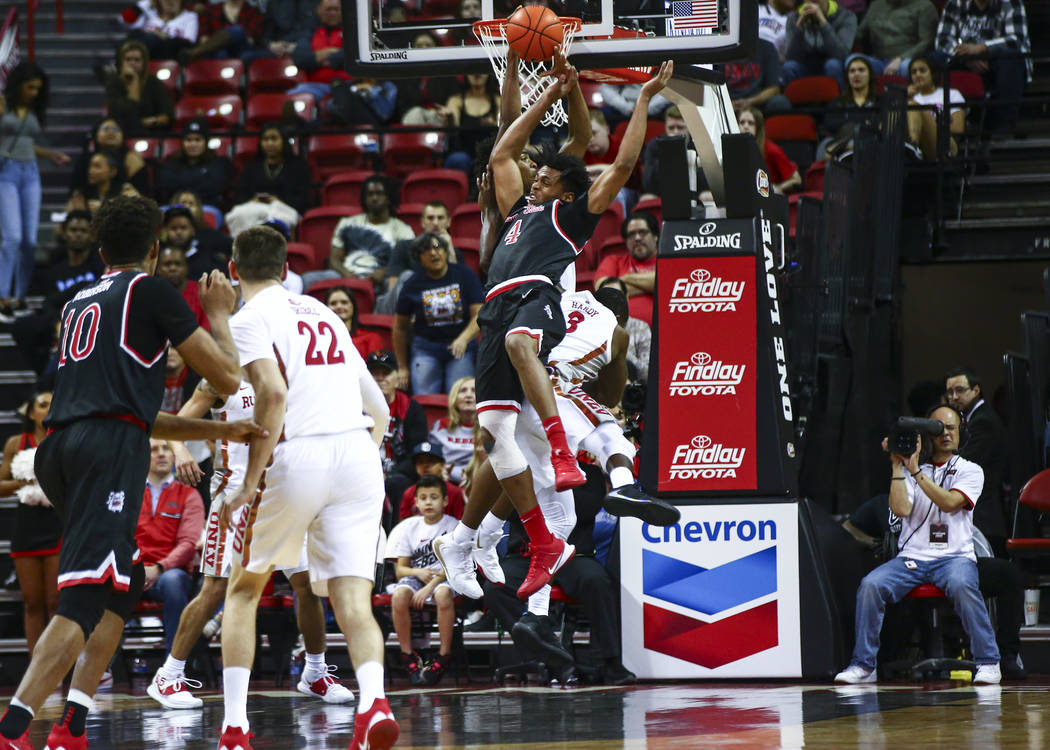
{"x": 109, "y": 128}
{"x": 639, "y": 232}
{"x": 957, "y": 390}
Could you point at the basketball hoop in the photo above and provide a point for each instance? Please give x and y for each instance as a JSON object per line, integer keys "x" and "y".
{"x": 493, "y": 37}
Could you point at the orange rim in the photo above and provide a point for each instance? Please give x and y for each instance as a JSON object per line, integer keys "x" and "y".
{"x": 493, "y": 28}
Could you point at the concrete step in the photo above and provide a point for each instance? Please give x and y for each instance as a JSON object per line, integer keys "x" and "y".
{"x": 990, "y": 225}
{"x": 1006, "y": 209}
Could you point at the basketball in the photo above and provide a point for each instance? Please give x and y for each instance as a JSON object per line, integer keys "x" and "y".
{"x": 533, "y": 31}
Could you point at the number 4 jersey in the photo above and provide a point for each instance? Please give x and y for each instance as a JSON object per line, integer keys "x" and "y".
{"x": 315, "y": 355}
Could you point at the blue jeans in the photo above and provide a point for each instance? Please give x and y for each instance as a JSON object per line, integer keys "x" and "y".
{"x": 813, "y": 66}
{"x": 318, "y": 90}
{"x": 434, "y": 369}
{"x": 891, "y": 581}
{"x": 19, "y": 219}
{"x": 173, "y": 590}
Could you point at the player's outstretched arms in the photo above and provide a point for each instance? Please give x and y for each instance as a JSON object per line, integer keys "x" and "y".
{"x": 579, "y": 122}
{"x": 173, "y": 427}
{"x": 605, "y": 188}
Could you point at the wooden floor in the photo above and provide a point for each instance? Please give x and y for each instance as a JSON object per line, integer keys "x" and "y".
{"x": 744, "y": 716}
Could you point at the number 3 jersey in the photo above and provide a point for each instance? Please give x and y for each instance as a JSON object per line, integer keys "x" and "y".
{"x": 587, "y": 346}
{"x": 316, "y": 357}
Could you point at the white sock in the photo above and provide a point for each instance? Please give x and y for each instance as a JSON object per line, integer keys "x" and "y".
{"x": 173, "y": 668}
{"x": 540, "y": 602}
{"x": 463, "y": 534}
{"x": 80, "y": 698}
{"x": 23, "y": 706}
{"x": 620, "y": 476}
{"x": 315, "y": 667}
{"x": 490, "y": 524}
{"x": 235, "y": 696}
{"x": 370, "y": 682}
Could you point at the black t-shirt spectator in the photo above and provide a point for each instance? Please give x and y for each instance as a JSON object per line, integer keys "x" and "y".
{"x": 290, "y": 185}
{"x": 441, "y": 307}
{"x": 62, "y": 276}
{"x": 208, "y": 179}
{"x": 154, "y": 100}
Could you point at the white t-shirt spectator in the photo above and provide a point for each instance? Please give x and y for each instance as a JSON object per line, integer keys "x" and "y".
{"x": 457, "y": 445}
{"x": 937, "y": 99}
{"x": 182, "y": 26}
{"x": 955, "y": 474}
{"x": 772, "y": 27}
{"x": 392, "y": 231}
{"x": 412, "y": 538}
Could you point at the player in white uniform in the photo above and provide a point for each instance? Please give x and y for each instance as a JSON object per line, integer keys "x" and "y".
{"x": 169, "y": 685}
{"x": 320, "y": 476}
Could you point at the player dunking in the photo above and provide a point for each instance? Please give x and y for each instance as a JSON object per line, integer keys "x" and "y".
{"x": 521, "y": 320}
{"x": 93, "y": 465}
{"x": 325, "y": 481}
{"x": 169, "y": 686}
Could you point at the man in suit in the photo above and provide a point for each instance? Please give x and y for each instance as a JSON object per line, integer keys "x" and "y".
{"x": 985, "y": 444}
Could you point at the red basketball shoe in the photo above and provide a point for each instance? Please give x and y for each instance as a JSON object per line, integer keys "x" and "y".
{"x": 375, "y": 729}
{"x": 544, "y": 562}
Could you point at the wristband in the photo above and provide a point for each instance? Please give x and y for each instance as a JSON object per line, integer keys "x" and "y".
{"x": 916, "y": 474}
{"x": 897, "y": 479}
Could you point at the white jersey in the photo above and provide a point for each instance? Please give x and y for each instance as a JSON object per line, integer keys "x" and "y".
{"x": 231, "y": 459}
{"x": 315, "y": 354}
{"x": 587, "y": 346}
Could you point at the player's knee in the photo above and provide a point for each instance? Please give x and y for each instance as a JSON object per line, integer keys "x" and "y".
{"x": 520, "y": 347}
{"x": 84, "y": 605}
{"x": 608, "y": 441}
{"x": 506, "y": 457}
{"x": 487, "y": 441}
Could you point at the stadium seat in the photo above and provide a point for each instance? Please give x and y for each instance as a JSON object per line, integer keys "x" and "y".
{"x": 814, "y": 179}
{"x": 266, "y": 108}
{"x": 218, "y": 143}
{"x": 446, "y": 185}
{"x": 223, "y": 111}
{"x": 585, "y": 279}
{"x": 362, "y": 289}
{"x": 407, "y": 151}
{"x": 331, "y": 153}
{"x": 812, "y": 90}
{"x": 344, "y": 188}
{"x": 468, "y": 252}
{"x": 212, "y": 77}
{"x": 653, "y": 206}
{"x": 969, "y": 84}
{"x": 167, "y": 72}
{"x": 881, "y": 82}
{"x": 147, "y": 148}
{"x": 608, "y": 226}
{"x": 301, "y": 257}
{"x": 273, "y": 75}
{"x": 411, "y": 214}
{"x": 592, "y": 93}
{"x": 793, "y": 200}
{"x": 797, "y": 135}
{"x": 381, "y": 324}
{"x": 466, "y": 221}
{"x": 611, "y": 246}
{"x": 933, "y": 635}
{"x": 1035, "y": 495}
{"x": 434, "y": 404}
{"x": 318, "y": 224}
{"x": 245, "y": 148}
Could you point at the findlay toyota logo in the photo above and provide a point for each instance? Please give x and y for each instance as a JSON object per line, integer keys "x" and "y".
{"x": 700, "y": 291}
{"x": 703, "y": 375}
{"x": 703, "y": 458}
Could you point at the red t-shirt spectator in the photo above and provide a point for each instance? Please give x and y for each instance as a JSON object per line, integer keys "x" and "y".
{"x": 456, "y": 502}
{"x": 326, "y": 37}
{"x": 640, "y": 305}
{"x": 367, "y": 342}
{"x": 780, "y": 166}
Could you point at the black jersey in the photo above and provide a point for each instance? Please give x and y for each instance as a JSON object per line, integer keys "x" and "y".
{"x": 114, "y": 339}
{"x": 541, "y": 239}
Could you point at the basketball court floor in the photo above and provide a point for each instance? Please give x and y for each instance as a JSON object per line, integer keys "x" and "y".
{"x": 653, "y": 716}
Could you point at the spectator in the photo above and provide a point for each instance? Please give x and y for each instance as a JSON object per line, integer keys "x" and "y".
{"x": 274, "y": 185}
{"x": 407, "y": 427}
{"x": 214, "y": 244}
{"x": 474, "y": 113}
{"x": 935, "y": 500}
{"x": 983, "y": 442}
{"x": 429, "y": 461}
{"x": 783, "y": 173}
{"x": 172, "y": 267}
{"x": 179, "y": 384}
{"x": 169, "y": 526}
{"x": 195, "y": 166}
{"x": 180, "y": 231}
{"x": 674, "y": 127}
{"x": 227, "y": 29}
{"x": 36, "y": 529}
{"x": 926, "y": 89}
{"x": 404, "y": 261}
{"x": 21, "y": 131}
{"x": 641, "y": 337}
{"x": 105, "y": 179}
{"x": 283, "y": 22}
{"x": 420, "y": 579}
{"x": 854, "y": 107}
{"x": 107, "y": 136}
{"x": 134, "y": 96}
{"x": 988, "y": 37}
{"x": 756, "y": 82}
{"x": 620, "y": 99}
{"x": 163, "y": 26}
{"x": 819, "y": 37}
{"x": 637, "y": 269}
{"x": 341, "y": 300}
{"x": 421, "y": 101}
{"x": 894, "y": 31}
{"x": 319, "y": 51}
{"x": 441, "y": 304}
{"x": 81, "y": 261}
{"x": 379, "y": 201}
{"x": 455, "y": 433}
{"x": 772, "y": 23}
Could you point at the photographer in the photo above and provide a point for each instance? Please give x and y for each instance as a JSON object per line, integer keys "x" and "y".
{"x": 935, "y": 501}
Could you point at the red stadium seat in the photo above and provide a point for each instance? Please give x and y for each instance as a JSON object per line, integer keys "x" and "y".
{"x": 167, "y": 72}
{"x": 608, "y": 226}
{"x": 466, "y": 221}
{"x": 812, "y": 90}
{"x": 362, "y": 289}
{"x": 881, "y": 82}
{"x": 468, "y": 252}
{"x": 411, "y": 214}
{"x": 611, "y": 246}
{"x": 344, "y": 189}
{"x": 381, "y": 324}
{"x": 652, "y": 206}
{"x": 266, "y": 108}
{"x": 273, "y": 75}
{"x": 969, "y": 84}
{"x": 405, "y": 152}
{"x": 592, "y": 93}
{"x": 147, "y": 148}
{"x": 434, "y": 404}
{"x": 814, "y": 180}
{"x": 330, "y": 153}
{"x": 245, "y": 148}
{"x": 791, "y": 128}
{"x": 213, "y": 77}
{"x": 301, "y": 257}
{"x": 223, "y": 112}
{"x": 446, "y": 185}
{"x": 318, "y": 224}
{"x": 584, "y": 279}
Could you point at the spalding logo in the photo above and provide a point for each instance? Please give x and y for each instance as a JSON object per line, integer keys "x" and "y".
{"x": 762, "y": 183}
{"x": 707, "y": 228}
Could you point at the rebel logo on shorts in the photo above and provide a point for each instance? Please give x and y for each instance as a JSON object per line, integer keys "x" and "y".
{"x": 701, "y": 291}
{"x": 704, "y": 375}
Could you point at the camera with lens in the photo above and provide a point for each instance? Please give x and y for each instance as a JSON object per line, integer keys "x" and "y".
{"x": 904, "y": 437}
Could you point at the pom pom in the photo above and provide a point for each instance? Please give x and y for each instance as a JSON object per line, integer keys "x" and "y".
{"x": 130, "y": 14}
{"x": 31, "y": 494}
{"x": 22, "y": 464}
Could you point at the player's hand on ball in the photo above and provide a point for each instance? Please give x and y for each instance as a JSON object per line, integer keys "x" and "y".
{"x": 560, "y": 62}
{"x": 217, "y": 294}
{"x": 656, "y": 84}
{"x": 243, "y": 430}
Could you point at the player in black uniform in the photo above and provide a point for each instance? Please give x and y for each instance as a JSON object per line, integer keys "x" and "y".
{"x": 93, "y": 465}
{"x": 521, "y": 319}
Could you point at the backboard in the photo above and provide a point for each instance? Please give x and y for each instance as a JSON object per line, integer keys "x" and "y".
{"x": 388, "y": 38}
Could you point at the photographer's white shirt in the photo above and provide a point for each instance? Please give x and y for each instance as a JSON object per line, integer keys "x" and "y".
{"x": 956, "y": 474}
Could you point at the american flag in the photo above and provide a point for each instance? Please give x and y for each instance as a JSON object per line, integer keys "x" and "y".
{"x": 693, "y": 14}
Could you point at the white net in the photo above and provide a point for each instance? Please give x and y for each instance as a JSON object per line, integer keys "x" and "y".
{"x": 493, "y": 37}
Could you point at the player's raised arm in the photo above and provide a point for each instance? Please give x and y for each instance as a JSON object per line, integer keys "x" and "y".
{"x": 605, "y": 188}
{"x": 579, "y": 123}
